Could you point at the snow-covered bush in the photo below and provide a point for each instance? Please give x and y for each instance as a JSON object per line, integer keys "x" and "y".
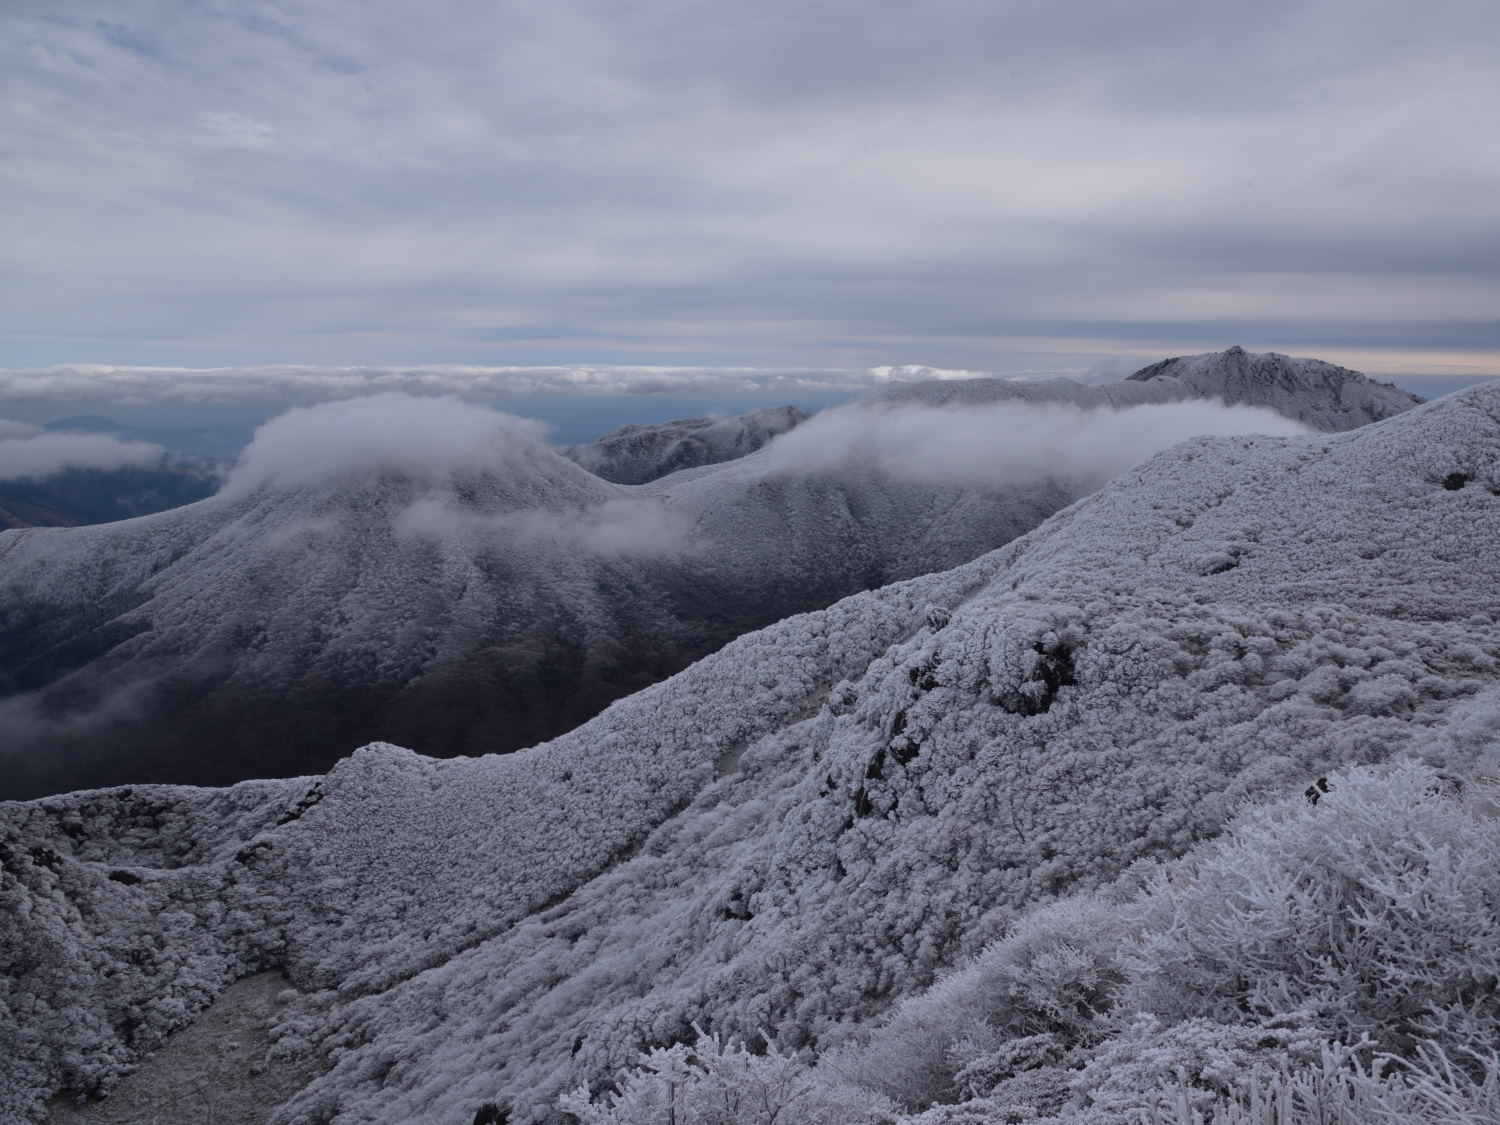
{"x": 1376, "y": 910}
{"x": 1196, "y": 1063}
{"x": 1342, "y": 1088}
{"x": 1048, "y": 981}
{"x": 1198, "y": 990}
{"x": 722, "y": 1082}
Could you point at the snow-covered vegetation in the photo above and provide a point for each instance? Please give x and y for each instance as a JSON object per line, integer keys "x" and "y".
{"x": 962, "y": 839}
{"x": 1336, "y": 961}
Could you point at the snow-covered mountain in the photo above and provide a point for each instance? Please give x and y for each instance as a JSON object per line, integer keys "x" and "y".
{"x": 1321, "y": 395}
{"x": 640, "y": 453}
{"x": 1324, "y": 395}
{"x": 801, "y": 830}
{"x": 431, "y": 573}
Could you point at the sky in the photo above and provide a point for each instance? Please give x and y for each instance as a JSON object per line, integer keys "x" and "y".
{"x": 1008, "y": 186}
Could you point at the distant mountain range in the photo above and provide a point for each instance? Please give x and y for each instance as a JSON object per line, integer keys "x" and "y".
{"x": 270, "y": 630}
{"x": 1024, "y": 759}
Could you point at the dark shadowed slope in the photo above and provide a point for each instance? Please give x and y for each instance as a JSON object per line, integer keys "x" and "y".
{"x": 800, "y": 830}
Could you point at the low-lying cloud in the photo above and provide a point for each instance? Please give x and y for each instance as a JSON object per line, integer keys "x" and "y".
{"x": 1009, "y": 443}
{"x": 30, "y": 453}
{"x": 546, "y": 503}
{"x": 637, "y": 526}
{"x": 426, "y": 439}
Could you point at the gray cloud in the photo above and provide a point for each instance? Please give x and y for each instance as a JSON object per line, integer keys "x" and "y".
{"x": 425, "y": 439}
{"x": 10, "y": 430}
{"x": 27, "y": 453}
{"x": 968, "y": 184}
{"x": 1008, "y": 443}
{"x": 640, "y": 526}
{"x": 551, "y": 505}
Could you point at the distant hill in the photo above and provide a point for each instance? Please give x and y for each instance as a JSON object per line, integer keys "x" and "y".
{"x": 641, "y": 453}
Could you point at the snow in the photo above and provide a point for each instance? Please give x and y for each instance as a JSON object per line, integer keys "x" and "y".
{"x": 807, "y": 827}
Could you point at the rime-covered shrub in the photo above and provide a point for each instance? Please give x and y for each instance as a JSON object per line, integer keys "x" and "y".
{"x": 1154, "y": 1067}
{"x": 1376, "y": 910}
{"x": 1341, "y": 1087}
{"x": 1369, "y": 917}
{"x": 1048, "y": 982}
{"x": 722, "y": 1082}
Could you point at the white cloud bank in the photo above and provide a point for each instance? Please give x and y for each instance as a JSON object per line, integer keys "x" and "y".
{"x": 428, "y": 439}
{"x": 546, "y": 500}
{"x": 1009, "y": 443}
{"x": 30, "y": 453}
{"x": 543, "y": 500}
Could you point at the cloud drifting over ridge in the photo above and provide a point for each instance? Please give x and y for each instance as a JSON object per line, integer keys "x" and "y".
{"x": 544, "y": 501}
{"x": 540, "y": 500}
{"x": 29, "y": 453}
{"x": 1010, "y": 443}
{"x": 427, "y": 439}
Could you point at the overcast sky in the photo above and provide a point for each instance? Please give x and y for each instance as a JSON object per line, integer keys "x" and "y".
{"x": 997, "y": 185}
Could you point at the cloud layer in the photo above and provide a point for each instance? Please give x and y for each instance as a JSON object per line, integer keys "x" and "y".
{"x": 962, "y": 183}
{"x": 539, "y": 500}
{"x": 1009, "y": 443}
{"x": 424, "y": 439}
{"x": 29, "y": 453}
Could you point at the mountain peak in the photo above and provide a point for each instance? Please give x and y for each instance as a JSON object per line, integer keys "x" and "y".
{"x": 1324, "y": 395}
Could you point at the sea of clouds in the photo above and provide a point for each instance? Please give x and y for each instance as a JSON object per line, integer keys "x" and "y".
{"x": 293, "y": 385}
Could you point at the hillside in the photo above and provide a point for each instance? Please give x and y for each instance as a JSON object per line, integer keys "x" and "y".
{"x": 805, "y": 828}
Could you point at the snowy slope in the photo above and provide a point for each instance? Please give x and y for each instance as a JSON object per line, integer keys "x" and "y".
{"x": 803, "y": 828}
{"x": 641, "y": 453}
